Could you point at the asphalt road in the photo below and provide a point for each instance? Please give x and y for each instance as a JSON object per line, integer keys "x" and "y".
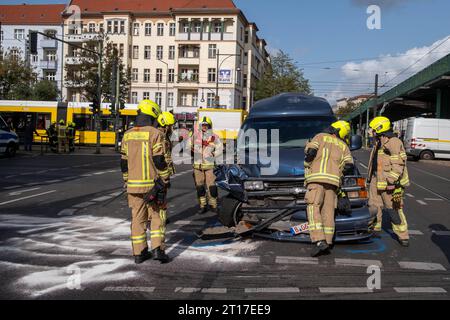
{"x": 64, "y": 235}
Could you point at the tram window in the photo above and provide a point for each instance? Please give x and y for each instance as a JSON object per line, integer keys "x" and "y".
{"x": 107, "y": 124}
{"x": 84, "y": 122}
{"x": 43, "y": 121}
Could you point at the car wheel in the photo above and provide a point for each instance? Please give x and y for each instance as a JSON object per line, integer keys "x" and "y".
{"x": 427, "y": 155}
{"x": 11, "y": 150}
{"x": 229, "y": 213}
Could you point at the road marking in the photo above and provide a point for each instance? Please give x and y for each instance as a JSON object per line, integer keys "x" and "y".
{"x": 130, "y": 289}
{"x": 193, "y": 223}
{"x": 201, "y": 290}
{"x": 422, "y": 266}
{"x": 86, "y": 175}
{"x": 83, "y": 205}
{"x": 441, "y": 233}
{"x": 430, "y": 191}
{"x": 410, "y": 195}
{"x": 422, "y": 202}
{"x": 272, "y": 290}
{"x": 67, "y": 212}
{"x": 432, "y": 199}
{"x": 345, "y": 290}
{"x": 431, "y": 174}
{"x": 420, "y": 290}
{"x": 99, "y": 173}
{"x": 357, "y": 263}
{"x": 102, "y": 199}
{"x": 53, "y": 181}
{"x": 296, "y": 260}
{"x": 12, "y": 187}
{"x": 28, "y": 197}
{"x": 116, "y": 194}
{"x": 18, "y": 193}
{"x": 363, "y": 165}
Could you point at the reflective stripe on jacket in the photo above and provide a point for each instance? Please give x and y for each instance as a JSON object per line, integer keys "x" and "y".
{"x": 139, "y": 146}
{"x": 332, "y": 156}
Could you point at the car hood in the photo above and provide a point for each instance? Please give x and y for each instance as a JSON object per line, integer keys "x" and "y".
{"x": 290, "y": 165}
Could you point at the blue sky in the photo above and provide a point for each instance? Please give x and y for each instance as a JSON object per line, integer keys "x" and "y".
{"x": 328, "y": 30}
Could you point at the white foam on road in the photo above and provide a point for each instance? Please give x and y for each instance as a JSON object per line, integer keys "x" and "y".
{"x": 28, "y": 197}
{"x": 67, "y": 212}
{"x": 425, "y": 266}
{"x": 83, "y": 205}
{"x": 420, "y": 290}
{"x": 297, "y": 260}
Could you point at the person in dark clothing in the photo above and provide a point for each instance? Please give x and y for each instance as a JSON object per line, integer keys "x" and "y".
{"x": 29, "y": 131}
{"x": 52, "y": 136}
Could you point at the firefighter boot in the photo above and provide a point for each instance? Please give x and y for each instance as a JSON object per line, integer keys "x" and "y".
{"x": 144, "y": 256}
{"x": 160, "y": 255}
{"x": 319, "y": 249}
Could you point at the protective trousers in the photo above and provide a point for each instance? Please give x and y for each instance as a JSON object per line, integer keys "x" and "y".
{"x": 321, "y": 199}
{"x": 141, "y": 214}
{"x": 401, "y": 229}
{"x": 376, "y": 203}
{"x": 205, "y": 182}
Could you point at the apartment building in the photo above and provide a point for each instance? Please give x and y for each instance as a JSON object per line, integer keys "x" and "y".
{"x": 177, "y": 50}
{"x": 18, "y": 20}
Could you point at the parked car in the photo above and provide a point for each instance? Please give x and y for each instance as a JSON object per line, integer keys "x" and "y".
{"x": 255, "y": 199}
{"x": 9, "y": 141}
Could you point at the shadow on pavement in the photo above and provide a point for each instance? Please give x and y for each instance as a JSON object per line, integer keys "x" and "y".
{"x": 442, "y": 241}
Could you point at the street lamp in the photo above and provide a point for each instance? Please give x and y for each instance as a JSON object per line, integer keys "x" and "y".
{"x": 167, "y": 82}
{"x": 219, "y": 65}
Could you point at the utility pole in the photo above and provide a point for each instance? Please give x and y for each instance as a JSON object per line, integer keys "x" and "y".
{"x": 375, "y": 109}
{"x": 99, "y": 97}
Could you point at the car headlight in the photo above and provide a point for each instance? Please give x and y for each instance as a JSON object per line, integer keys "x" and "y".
{"x": 254, "y": 185}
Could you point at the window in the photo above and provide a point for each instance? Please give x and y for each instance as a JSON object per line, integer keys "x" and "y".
{"x": 134, "y": 74}
{"x": 160, "y": 31}
{"x": 136, "y": 26}
{"x": 148, "y": 29}
{"x": 159, "y": 75}
{"x": 195, "y": 99}
{"x": 50, "y": 76}
{"x": 245, "y": 58}
{"x": 121, "y": 50}
{"x": 210, "y": 102}
{"x": 170, "y": 99}
{"x": 91, "y": 27}
{"x": 34, "y": 58}
{"x": 134, "y": 97}
{"x": 147, "y": 52}
{"x": 146, "y": 75}
{"x": 245, "y": 80}
{"x": 135, "y": 52}
{"x": 212, "y": 75}
{"x": 158, "y": 98}
{"x": 1, "y": 35}
{"x": 242, "y": 34}
{"x": 217, "y": 27}
{"x": 50, "y": 55}
{"x": 122, "y": 27}
{"x": 116, "y": 27}
{"x": 171, "y": 75}
{"x": 172, "y": 53}
{"x": 244, "y": 103}
{"x": 246, "y": 36}
{"x": 172, "y": 29}
{"x": 101, "y": 27}
{"x": 109, "y": 26}
{"x": 197, "y": 27}
{"x": 186, "y": 27}
{"x": 19, "y": 34}
{"x": 159, "y": 52}
{"x": 146, "y": 95}
{"x": 212, "y": 51}
{"x": 183, "y": 99}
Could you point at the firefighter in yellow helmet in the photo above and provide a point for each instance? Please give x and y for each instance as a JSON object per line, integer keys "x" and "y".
{"x": 144, "y": 170}
{"x": 327, "y": 157}
{"x": 388, "y": 178}
{"x": 206, "y": 148}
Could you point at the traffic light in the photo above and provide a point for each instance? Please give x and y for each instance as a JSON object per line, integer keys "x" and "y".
{"x": 33, "y": 42}
{"x": 95, "y": 105}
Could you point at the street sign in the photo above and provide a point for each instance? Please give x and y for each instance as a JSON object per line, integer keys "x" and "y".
{"x": 225, "y": 76}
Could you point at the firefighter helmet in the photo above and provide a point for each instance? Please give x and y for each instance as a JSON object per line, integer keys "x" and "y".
{"x": 166, "y": 119}
{"x": 61, "y": 122}
{"x": 206, "y": 121}
{"x": 343, "y": 127}
{"x": 380, "y": 125}
{"x": 149, "y": 108}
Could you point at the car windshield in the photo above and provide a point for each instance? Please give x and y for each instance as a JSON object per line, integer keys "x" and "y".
{"x": 294, "y": 132}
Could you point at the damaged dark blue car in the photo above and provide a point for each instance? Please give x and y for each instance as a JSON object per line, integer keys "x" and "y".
{"x": 272, "y": 204}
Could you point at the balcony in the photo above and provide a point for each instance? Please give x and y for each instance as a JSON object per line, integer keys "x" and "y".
{"x": 84, "y": 37}
{"x": 48, "y": 43}
{"x": 189, "y": 61}
{"x": 74, "y": 84}
{"x": 48, "y": 64}
{"x": 69, "y": 60}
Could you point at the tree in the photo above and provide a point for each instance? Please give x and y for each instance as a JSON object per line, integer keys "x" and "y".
{"x": 349, "y": 108}
{"x": 84, "y": 74}
{"x": 17, "y": 78}
{"x": 45, "y": 90}
{"x": 281, "y": 76}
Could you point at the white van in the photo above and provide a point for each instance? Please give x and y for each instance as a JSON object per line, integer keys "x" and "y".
{"x": 428, "y": 139}
{"x": 9, "y": 141}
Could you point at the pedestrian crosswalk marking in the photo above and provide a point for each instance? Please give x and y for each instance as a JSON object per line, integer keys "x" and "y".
{"x": 422, "y": 266}
{"x": 420, "y": 290}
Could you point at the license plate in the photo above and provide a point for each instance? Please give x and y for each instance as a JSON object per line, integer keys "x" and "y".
{"x": 302, "y": 228}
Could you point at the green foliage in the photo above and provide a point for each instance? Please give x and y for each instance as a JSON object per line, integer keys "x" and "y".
{"x": 282, "y": 76}
{"x": 349, "y": 108}
{"x": 16, "y": 78}
{"x": 45, "y": 90}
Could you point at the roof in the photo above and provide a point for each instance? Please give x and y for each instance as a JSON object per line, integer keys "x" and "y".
{"x": 291, "y": 104}
{"x": 31, "y": 14}
{"x": 138, "y": 6}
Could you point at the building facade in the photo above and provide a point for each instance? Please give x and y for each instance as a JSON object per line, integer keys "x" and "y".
{"x": 177, "y": 50}
{"x": 16, "y": 23}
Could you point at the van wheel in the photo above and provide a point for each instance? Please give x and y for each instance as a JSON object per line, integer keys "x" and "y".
{"x": 229, "y": 213}
{"x": 427, "y": 155}
{"x": 11, "y": 150}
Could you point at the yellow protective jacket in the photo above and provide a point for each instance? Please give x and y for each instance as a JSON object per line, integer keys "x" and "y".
{"x": 168, "y": 154}
{"x": 140, "y": 146}
{"x": 332, "y": 156}
{"x": 206, "y": 148}
{"x": 391, "y": 164}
